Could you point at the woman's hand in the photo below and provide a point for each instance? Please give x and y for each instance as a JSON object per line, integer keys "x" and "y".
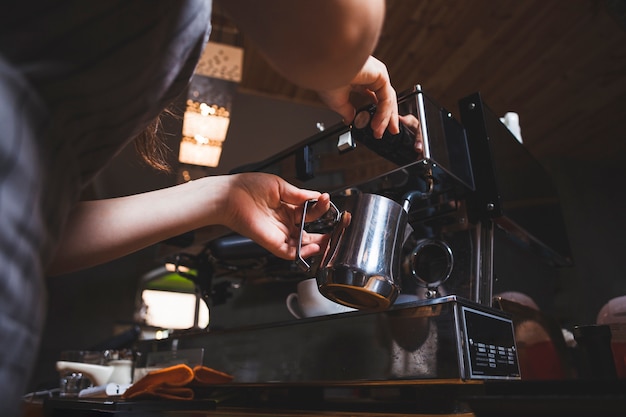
{"x": 268, "y": 210}
{"x": 373, "y": 82}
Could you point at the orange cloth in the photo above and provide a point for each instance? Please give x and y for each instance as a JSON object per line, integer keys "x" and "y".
{"x": 208, "y": 376}
{"x": 166, "y": 383}
{"x": 175, "y": 382}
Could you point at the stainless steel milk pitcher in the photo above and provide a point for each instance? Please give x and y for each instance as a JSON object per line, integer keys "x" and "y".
{"x": 360, "y": 266}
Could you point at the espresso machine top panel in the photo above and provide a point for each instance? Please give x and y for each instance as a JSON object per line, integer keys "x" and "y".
{"x": 343, "y": 157}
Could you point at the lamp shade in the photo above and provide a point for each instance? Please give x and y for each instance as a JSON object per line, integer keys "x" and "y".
{"x": 209, "y": 103}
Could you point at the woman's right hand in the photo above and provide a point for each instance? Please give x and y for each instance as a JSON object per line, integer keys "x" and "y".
{"x": 268, "y": 210}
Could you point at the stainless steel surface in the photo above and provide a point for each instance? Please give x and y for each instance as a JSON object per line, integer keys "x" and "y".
{"x": 431, "y": 262}
{"x": 447, "y": 338}
{"x": 362, "y": 262}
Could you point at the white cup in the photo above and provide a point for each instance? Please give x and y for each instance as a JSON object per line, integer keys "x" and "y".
{"x": 309, "y": 302}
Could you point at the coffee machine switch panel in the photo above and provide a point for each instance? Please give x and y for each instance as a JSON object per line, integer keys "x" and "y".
{"x": 489, "y": 345}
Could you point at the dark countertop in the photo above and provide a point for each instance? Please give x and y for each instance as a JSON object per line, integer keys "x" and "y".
{"x": 492, "y": 398}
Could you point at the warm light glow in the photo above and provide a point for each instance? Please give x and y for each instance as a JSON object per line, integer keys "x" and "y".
{"x": 170, "y": 267}
{"x": 204, "y": 130}
{"x": 209, "y": 100}
{"x": 196, "y": 125}
{"x": 161, "y": 334}
{"x": 173, "y": 310}
{"x": 194, "y": 153}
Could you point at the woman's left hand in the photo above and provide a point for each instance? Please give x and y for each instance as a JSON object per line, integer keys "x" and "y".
{"x": 373, "y": 82}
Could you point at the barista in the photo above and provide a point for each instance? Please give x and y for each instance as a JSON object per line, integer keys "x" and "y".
{"x": 79, "y": 80}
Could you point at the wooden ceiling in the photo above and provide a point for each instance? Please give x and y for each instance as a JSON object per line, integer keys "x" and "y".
{"x": 560, "y": 64}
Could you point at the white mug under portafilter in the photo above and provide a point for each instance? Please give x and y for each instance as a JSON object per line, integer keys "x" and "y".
{"x": 360, "y": 266}
{"x": 307, "y": 301}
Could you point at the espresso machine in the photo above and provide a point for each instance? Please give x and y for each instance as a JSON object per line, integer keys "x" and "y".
{"x": 414, "y": 259}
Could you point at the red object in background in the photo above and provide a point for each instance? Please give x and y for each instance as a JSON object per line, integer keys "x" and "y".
{"x": 541, "y": 347}
{"x": 541, "y": 361}
{"x": 619, "y": 356}
{"x": 613, "y": 314}
{"x": 618, "y": 347}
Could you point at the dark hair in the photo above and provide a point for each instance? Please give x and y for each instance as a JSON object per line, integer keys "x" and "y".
{"x": 151, "y": 146}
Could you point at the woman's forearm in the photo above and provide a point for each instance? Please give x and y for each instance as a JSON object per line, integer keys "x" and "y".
{"x": 102, "y": 230}
{"x": 263, "y": 207}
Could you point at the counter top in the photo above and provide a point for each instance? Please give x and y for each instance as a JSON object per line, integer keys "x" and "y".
{"x": 498, "y": 398}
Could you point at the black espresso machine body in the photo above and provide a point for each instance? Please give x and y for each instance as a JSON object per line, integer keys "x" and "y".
{"x": 476, "y": 180}
{"x": 470, "y": 183}
{"x": 448, "y": 330}
{"x": 441, "y": 255}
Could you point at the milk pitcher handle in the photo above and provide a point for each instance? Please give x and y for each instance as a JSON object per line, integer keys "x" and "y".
{"x": 335, "y": 219}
